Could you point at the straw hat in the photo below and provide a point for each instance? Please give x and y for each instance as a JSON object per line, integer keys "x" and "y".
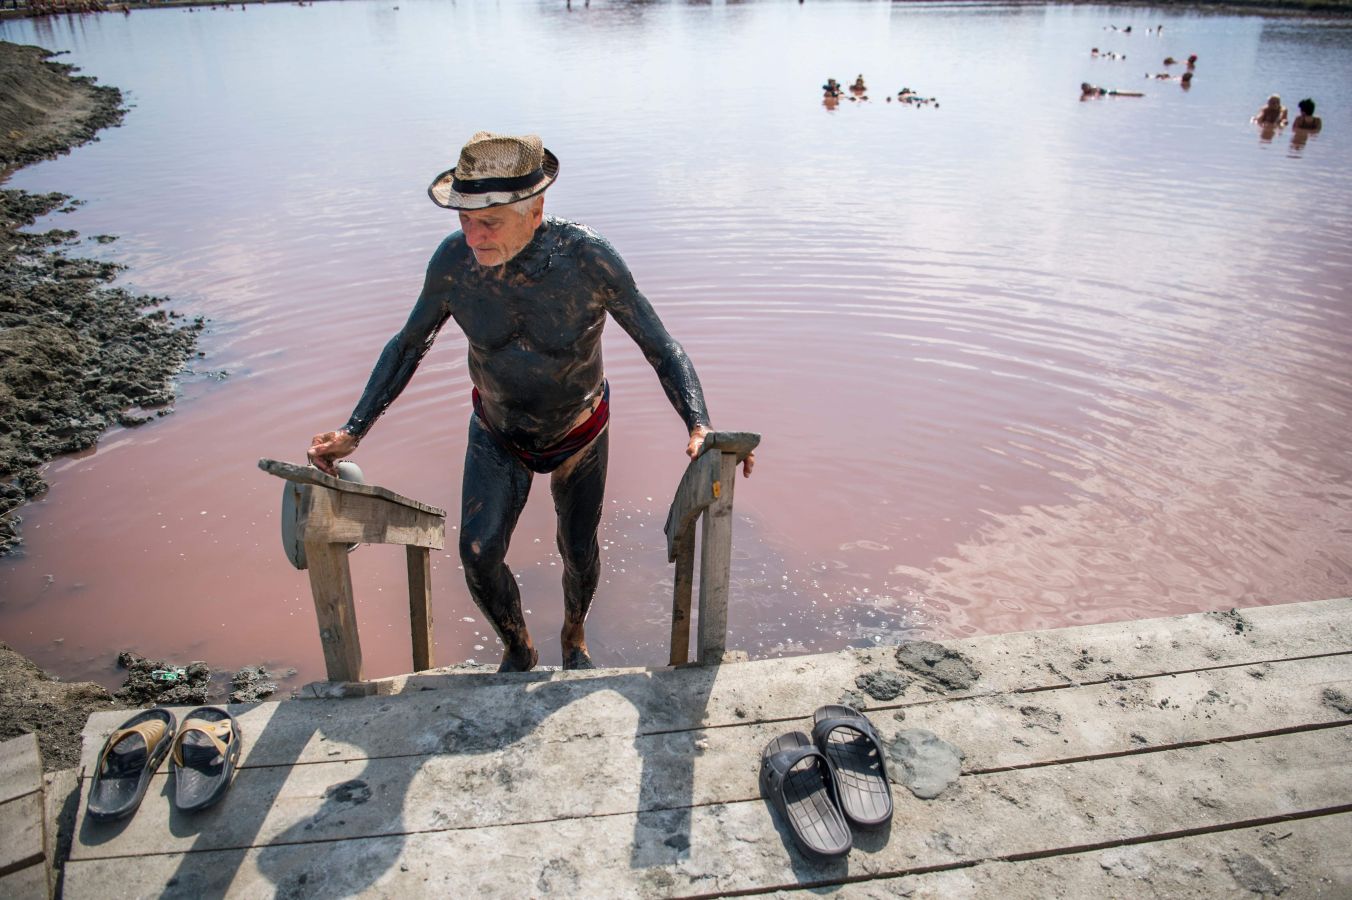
{"x": 494, "y": 170}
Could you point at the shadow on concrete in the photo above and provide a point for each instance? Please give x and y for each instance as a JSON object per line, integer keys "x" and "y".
{"x": 372, "y": 791}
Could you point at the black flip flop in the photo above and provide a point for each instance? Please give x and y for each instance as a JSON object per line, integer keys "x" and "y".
{"x": 129, "y": 757}
{"x": 850, "y": 742}
{"x": 204, "y": 757}
{"x": 799, "y": 782}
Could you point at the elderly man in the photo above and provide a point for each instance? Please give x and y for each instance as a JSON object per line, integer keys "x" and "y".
{"x": 531, "y": 295}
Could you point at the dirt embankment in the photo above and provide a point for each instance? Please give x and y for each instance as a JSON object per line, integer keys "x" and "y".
{"x": 76, "y": 356}
{"x": 45, "y": 109}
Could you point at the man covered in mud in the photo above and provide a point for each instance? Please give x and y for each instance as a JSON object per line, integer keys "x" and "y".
{"x": 531, "y": 295}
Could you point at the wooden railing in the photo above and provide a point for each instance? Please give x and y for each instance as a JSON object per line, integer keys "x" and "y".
{"x": 331, "y": 515}
{"x": 706, "y": 489}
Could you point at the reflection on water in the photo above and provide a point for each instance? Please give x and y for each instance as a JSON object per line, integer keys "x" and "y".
{"x": 1019, "y": 361}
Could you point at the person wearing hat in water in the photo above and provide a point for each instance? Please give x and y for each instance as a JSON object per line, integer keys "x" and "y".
{"x": 531, "y": 294}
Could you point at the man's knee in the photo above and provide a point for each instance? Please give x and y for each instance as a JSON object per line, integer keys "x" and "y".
{"x": 480, "y": 554}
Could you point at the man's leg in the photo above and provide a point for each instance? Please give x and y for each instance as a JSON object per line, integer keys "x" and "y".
{"x": 579, "y": 487}
{"x": 494, "y": 492}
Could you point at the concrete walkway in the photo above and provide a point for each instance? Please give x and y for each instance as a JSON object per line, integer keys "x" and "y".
{"x": 1197, "y": 756}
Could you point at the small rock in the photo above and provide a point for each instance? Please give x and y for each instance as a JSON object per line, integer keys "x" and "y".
{"x": 924, "y": 762}
{"x": 853, "y": 699}
{"x": 950, "y": 669}
{"x": 1231, "y": 619}
{"x": 1125, "y": 862}
{"x": 881, "y": 684}
{"x": 1338, "y": 700}
{"x": 1255, "y": 875}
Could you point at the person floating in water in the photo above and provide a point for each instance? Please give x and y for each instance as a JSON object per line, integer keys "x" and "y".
{"x": 831, "y": 88}
{"x": 1272, "y": 113}
{"x": 1088, "y": 90}
{"x": 1307, "y": 120}
{"x": 1185, "y": 79}
{"x": 858, "y": 86}
{"x": 531, "y": 294}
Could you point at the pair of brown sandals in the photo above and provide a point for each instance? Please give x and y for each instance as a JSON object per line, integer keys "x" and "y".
{"x": 824, "y": 785}
{"x": 203, "y": 757}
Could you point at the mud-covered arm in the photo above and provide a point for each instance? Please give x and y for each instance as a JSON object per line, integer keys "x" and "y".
{"x": 637, "y": 317}
{"x": 400, "y": 358}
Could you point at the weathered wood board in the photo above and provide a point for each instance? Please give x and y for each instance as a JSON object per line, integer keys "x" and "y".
{"x": 23, "y": 846}
{"x": 1089, "y": 754}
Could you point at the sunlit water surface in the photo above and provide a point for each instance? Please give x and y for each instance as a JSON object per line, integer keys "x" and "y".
{"x": 1020, "y": 361}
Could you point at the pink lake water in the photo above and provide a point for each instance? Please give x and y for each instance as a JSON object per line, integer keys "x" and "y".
{"x": 1019, "y": 361}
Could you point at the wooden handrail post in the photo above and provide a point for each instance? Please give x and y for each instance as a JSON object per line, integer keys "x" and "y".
{"x": 420, "y": 605}
{"x": 705, "y": 492}
{"x": 715, "y": 565}
{"x": 329, "y": 516}
{"x": 680, "y": 604}
{"x": 331, "y": 584}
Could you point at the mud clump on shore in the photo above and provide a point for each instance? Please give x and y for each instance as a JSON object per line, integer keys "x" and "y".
{"x": 252, "y": 684}
{"x": 33, "y": 701}
{"x": 949, "y": 669}
{"x": 161, "y": 683}
{"x": 76, "y": 356}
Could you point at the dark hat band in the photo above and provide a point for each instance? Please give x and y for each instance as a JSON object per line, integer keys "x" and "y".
{"x": 492, "y": 185}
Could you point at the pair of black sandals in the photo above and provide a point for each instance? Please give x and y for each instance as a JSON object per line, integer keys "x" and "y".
{"x": 824, "y": 785}
{"x": 203, "y": 756}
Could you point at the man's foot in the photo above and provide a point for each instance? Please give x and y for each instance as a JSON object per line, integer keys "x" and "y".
{"x": 577, "y": 658}
{"x": 519, "y": 661}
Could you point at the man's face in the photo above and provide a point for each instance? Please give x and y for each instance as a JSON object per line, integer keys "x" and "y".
{"x": 497, "y": 234}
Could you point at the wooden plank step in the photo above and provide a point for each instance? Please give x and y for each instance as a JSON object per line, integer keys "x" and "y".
{"x": 1293, "y": 859}
{"x": 1044, "y": 659}
{"x": 735, "y": 846}
{"x": 780, "y": 690}
{"x": 26, "y": 884}
{"x": 23, "y": 856}
{"x": 476, "y": 781}
{"x": 20, "y": 767}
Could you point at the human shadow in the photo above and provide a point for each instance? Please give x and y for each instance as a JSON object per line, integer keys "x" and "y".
{"x": 359, "y": 758}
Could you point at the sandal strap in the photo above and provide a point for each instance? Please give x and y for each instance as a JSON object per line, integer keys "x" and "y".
{"x": 215, "y": 731}
{"x": 782, "y": 763}
{"x": 151, "y": 731}
{"x": 853, "y": 723}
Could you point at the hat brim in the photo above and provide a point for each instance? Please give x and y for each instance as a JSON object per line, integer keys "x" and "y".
{"x": 447, "y": 197}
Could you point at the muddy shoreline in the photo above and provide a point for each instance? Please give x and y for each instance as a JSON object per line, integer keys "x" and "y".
{"x": 77, "y": 356}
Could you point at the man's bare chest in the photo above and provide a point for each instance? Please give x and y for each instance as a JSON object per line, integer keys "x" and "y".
{"x": 554, "y": 317}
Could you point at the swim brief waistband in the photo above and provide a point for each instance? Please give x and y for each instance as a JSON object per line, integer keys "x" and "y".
{"x": 552, "y": 457}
